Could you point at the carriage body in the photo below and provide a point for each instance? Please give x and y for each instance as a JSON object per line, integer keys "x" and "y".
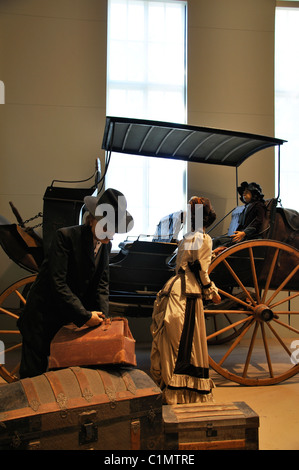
{"x": 257, "y": 279}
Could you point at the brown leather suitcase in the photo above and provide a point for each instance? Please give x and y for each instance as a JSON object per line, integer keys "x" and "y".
{"x": 79, "y": 408}
{"x": 109, "y": 343}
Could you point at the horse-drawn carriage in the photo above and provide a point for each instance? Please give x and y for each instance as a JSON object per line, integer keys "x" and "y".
{"x": 258, "y": 279}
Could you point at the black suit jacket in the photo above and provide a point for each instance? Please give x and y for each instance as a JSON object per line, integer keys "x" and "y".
{"x": 68, "y": 287}
{"x": 252, "y": 219}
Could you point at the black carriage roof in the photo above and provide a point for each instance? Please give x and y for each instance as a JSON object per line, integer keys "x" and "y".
{"x": 182, "y": 142}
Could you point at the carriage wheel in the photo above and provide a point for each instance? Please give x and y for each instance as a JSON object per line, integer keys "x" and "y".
{"x": 12, "y": 301}
{"x": 263, "y": 328}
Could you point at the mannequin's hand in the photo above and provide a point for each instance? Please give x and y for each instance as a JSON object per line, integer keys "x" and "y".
{"x": 238, "y": 236}
{"x": 219, "y": 250}
{"x": 216, "y": 299}
{"x": 95, "y": 319}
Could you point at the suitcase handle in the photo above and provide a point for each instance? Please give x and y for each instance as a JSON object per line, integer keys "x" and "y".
{"x": 108, "y": 322}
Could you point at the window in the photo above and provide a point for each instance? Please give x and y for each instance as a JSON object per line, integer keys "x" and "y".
{"x": 287, "y": 101}
{"x": 146, "y": 79}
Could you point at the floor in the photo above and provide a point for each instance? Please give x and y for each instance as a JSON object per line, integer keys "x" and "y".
{"x": 276, "y": 405}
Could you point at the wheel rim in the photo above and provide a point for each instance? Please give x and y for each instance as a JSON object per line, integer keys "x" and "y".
{"x": 12, "y": 301}
{"x": 261, "y": 352}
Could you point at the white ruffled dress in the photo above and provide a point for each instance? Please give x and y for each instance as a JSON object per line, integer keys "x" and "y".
{"x": 179, "y": 355}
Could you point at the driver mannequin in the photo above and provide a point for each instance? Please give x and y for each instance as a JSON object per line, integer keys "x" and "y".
{"x": 250, "y": 219}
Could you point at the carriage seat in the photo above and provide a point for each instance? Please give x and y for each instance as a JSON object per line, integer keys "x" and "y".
{"x": 169, "y": 227}
{"x": 167, "y": 231}
{"x": 269, "y": 218}
{"x": 291, "y": 217}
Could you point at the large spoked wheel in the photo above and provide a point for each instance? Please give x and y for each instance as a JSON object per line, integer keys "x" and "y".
{"x": 261, "y": 326}
{"x": 12, "y": 301}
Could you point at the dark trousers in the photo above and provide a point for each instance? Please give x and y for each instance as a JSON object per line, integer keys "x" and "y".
{"x": 223, "y": 240}
{"x": 33, "y": 362}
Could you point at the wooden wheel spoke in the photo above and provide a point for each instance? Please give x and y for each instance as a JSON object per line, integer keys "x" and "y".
{"x": 250, "y": 350}
{"x": 279, "y": 289}
{"x": 236, "y": 299}
{"x": 270, "y": 274}
{"x": 233, "y": 325}
{"x": 226, "y": 317}
{"x": 232, "y": 272}
{"x": 230, "y": 334}
{"x": 289, "y": 327}
{"x": 286, "y": 299}
{"x": 286, "y": 312}
{"x": 225, "y": 312}
{"x": 7, "y": 375}
{"x": 12, "y": 348}
{"x": 229, "y": 320}
{"x": 254, "y": 276}
{"x": 7, "y": 312}
{"x": 9, "y": 332}
{"x": 267, "y": 350}
{"x": 15, "y": 369}
{"x": 279, "y": 339}
{"x": 23, "y": 300}
{"x": 235, "y": 343}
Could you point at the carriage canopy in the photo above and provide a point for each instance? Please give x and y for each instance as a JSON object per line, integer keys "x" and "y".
{"x": 182, "y": 142}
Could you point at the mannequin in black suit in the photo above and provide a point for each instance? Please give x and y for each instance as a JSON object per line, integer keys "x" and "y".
{"x": 72, "y": 285}
{"x": 250, "y": 219}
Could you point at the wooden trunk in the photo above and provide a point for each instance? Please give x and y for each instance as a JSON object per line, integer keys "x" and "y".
{"x": 78, "y": 408}
{"x": 210, "y": 426}
{"x": 109, "y": 343}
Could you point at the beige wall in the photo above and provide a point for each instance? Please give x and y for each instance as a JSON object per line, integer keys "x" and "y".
{"x": 231, "y": 86}
{"x": 53, "y": 64}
